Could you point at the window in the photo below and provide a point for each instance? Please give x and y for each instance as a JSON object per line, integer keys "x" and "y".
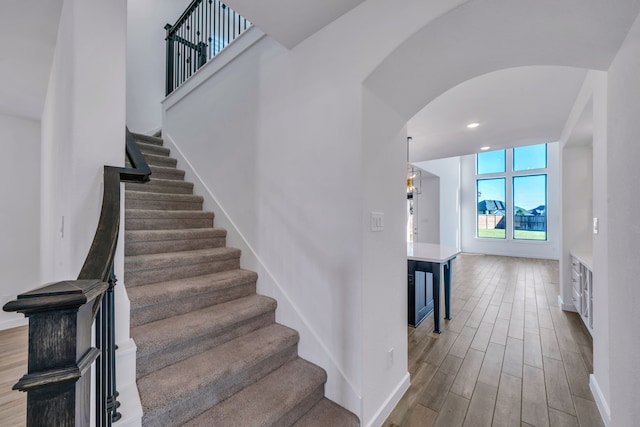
{"x": 491, "y": 208}
{"x": 491, "y": 162}
{"x": 530, "y": 207}
{"x": 530, "y": 157}
{"x": 512, "y": 202}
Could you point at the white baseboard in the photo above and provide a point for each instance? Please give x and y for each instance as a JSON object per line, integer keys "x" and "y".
{"x": 385, "y": 410}
{"x": 130, "y": 407}
{"x": 603, "y": 407}
{"x": 566, "y": 307}
{"x": 13, "y": 323}
{"x": 129, "y": 398}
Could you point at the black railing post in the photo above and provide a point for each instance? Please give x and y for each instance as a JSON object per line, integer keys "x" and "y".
{"x": 170, "y": 60}
{"x": 202, "y": 54}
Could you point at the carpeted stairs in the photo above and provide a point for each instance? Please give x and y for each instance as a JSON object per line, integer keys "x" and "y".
{"x": 209, "y": 350}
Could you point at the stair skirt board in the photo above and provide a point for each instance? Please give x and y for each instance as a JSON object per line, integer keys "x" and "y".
{"x": 209, "y": 351}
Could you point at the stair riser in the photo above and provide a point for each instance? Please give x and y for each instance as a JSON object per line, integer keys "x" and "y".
{"x": 170, "y": 205}
{"x": 147, "y": 363}
{"x": 187, "y": 409}
{"x": 152, "y": 187}
{"x": 161, "y": 161}
{"x": 189, "y": 303}
{"x": 142, "y": 277}
{"x": 146, "y": 248}
{"x": 302, "y": 407}
{"x": 167, "y": 223}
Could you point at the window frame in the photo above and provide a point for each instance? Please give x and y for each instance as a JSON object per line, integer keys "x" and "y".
{"x": 509, "y": 176}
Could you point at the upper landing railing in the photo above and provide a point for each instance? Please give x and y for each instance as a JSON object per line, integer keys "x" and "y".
{"x": 203, "y": 30}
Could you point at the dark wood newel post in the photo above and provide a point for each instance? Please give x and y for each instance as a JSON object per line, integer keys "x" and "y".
{"x": 60, "y": 352}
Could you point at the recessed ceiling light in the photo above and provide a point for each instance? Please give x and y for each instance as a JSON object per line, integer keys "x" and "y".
{"x": 473, "y": 125}
{"x": 484, "y": 148}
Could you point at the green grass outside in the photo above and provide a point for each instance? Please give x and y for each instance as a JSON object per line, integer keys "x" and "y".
{"x": 496, "y": 233}
{"x": 530, "y": 235}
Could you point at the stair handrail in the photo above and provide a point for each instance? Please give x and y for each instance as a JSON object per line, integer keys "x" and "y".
{"x": 199, "y": 34}
{"x": 61, "y": 315}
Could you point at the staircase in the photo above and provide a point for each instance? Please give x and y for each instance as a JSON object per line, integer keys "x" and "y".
{"x": 209, "y": 350}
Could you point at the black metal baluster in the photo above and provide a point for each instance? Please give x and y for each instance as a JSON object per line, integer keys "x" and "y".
{"x": 170, "y": 61}
{"x": 208, "y": 26}
{"x": 218, "y": 12}
{"x": 112, "y": 396}
{"x": 101, "y": 409}
{"x": 228, "y": 39}
{"x": 182, "y": 58}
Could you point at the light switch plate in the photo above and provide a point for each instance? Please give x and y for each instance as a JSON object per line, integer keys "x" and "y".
{"x": 377, "y": 221}
{"x": 596, "y": 225}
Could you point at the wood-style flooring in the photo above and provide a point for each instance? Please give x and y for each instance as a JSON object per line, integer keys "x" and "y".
{"x": 509, "y": 357}
{"x": 13, "y": 365}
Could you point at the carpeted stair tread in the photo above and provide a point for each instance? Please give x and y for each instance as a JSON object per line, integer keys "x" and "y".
{"x": 147, "y": 138}
{"x": 143, "y": 195}
{"x": 278, "y": 399}
{"x": 195, "y": 384}
{"x": 327, "y": 413}
{"x": 173, "y": 259}
{"x": 168, "y": 340}
{"x": 140, "y": 242}
{"x": 161, "y": 300}
{"x": 164, "y": 161}
{"x": 208, "y": 349}
{"x": 154, "y": 219}
{"x": 162, "y": 201}
{"x": 151, "y": 268}
{"x": 165, "y": 172}
{"x": 156, "y": 185}
{"x": 158, "y": 150}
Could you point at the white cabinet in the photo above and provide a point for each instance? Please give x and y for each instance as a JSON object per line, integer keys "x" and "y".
{"x": 582, "y": 283}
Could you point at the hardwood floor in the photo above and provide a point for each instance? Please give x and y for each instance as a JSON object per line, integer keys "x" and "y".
{"x": 13, "y": 365}
{"x": 509, "y": 357}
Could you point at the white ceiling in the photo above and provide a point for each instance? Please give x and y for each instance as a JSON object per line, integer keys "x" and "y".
{"x": 515, "y": 106}
{"x": 291, "y": 21}
{"x": 482, "y": 36}
{"x": 28, "y": 30}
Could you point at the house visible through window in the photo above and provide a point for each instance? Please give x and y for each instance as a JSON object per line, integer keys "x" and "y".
{"x": 512, "y": 201}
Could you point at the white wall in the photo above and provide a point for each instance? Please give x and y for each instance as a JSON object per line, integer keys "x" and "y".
{"x": 298, "y": 226}
{"x": 83, "y": 129}
{"x": 510, "y": 247}
{"x": 384, "y": 260}
{"x": 623, "y": 157}
{"x": 146, "y": 59}
{"x": 426, "y": 206}
{"x": 20, "y": 214}
{"x": 448, "y": 170}
{"x": 601, "y": 242}
{"x": 285, "y": 161}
